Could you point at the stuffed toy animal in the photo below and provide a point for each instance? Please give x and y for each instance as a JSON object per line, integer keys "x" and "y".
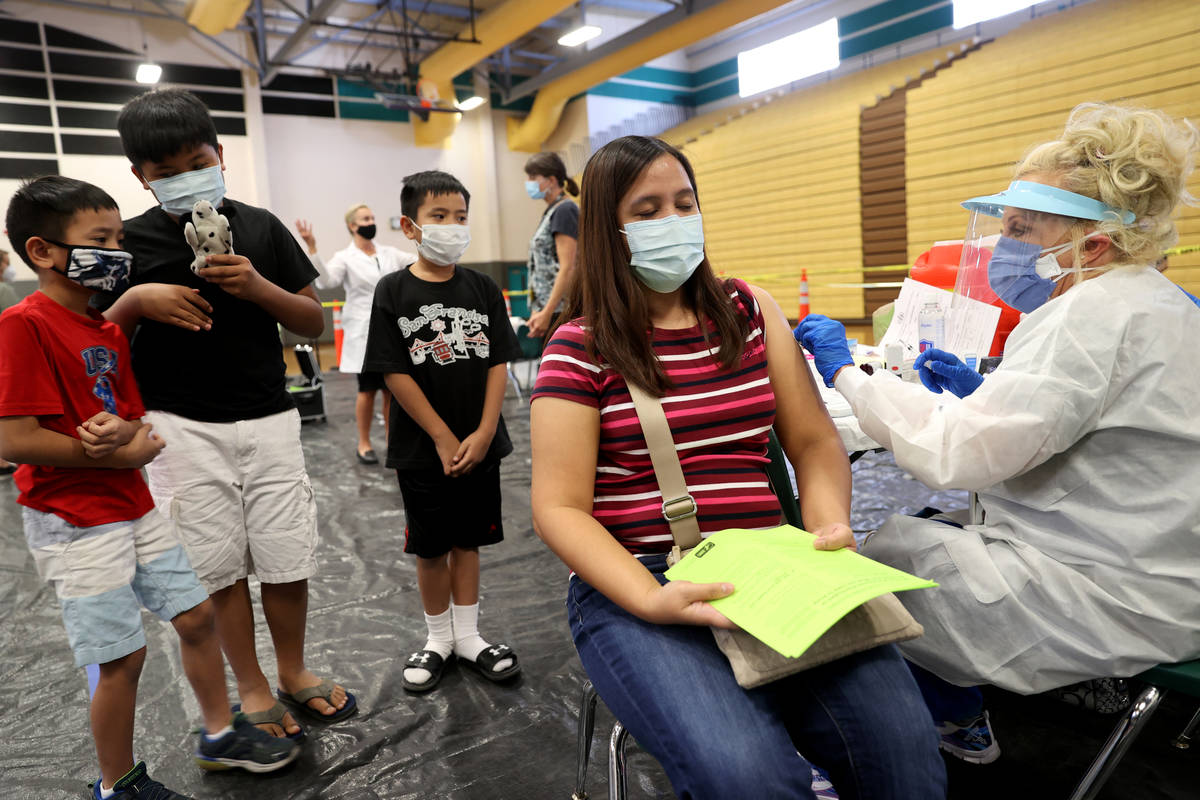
{"x": 208, "y": 233}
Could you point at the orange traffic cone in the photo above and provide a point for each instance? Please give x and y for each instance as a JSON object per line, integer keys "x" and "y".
{"x": 338, "y": 334}
{"x": 803, "y": 295}
{"x": 507, "y": 301}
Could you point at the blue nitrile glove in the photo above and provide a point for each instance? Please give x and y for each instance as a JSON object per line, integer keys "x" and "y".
{"x": 825, "y": 338}
{"x": 940, "y": 370}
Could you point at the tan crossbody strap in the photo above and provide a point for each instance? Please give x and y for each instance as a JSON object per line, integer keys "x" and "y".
{"x": 678, "y": 508}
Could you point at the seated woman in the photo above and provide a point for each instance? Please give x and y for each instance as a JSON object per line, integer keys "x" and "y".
{"x": 648, "y": 309}
{"x": 1084, "y": 446}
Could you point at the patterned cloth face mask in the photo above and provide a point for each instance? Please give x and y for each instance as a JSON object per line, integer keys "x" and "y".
{"x": 102, "y": 269}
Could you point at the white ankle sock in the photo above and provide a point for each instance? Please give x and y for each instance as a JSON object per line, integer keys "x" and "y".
{"x": 441, "y": 641}
{"x": 212, "y": 737}
{"x": 106, "y": 793}
{"x": 468, "y": 643}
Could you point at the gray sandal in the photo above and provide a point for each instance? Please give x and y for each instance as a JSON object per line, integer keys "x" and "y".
{"x": 323, "y": 690}
{"x": 272, "y": 716}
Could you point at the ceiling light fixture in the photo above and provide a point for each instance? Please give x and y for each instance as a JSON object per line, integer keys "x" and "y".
{"x": 148, "y": 72}
{"x": 470, "y": 103}
{"x": 584, "y": 33}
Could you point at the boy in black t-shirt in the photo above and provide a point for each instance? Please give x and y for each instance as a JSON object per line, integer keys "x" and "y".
{"x": 210, "y": 369}
{"x": 441, "y": 336}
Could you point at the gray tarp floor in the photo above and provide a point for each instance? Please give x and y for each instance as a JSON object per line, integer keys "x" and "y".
{"x": 469, "y": 739}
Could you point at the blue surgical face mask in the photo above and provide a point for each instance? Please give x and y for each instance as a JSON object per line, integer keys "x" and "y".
{"x": 98, "y": 268}
{"x": 178, "y": 193}
{"x": 1024, "y": 275}
{"x": 534, "y": 191}
{"x": 665, "y": 252}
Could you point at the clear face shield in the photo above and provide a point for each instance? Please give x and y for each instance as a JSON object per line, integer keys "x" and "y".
{"x": 1014, "y": 240}
{"x": 1012, "y": 259}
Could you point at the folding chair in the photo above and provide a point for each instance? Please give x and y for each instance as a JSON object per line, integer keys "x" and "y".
{"x": 1184, "y": 677}
{"x": 308, "y": 391}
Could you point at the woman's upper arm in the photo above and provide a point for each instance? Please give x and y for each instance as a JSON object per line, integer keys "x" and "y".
{"x": 565, "y": 246}
{"x": 565, "y": 443}
{"x": 800, "y": 416}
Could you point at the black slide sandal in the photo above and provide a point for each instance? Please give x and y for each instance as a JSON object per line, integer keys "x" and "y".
{"x": 485, "y": 663}
{"x": 428, "y": 660}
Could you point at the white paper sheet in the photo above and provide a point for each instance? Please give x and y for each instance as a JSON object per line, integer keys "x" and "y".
{"x": 970, "y": 324}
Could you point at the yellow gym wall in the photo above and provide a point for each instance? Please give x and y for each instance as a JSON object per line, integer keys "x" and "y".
{"x": 779, "y": 186}
{"x": 968, "y": 125}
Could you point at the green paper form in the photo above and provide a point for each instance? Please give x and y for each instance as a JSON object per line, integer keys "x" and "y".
{"x": 785, "y": 592}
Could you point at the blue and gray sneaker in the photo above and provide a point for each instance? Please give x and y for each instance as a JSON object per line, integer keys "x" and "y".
{"x": 247, "y": 747}
{"x": 971, "y": 740}
{"x": 137, "y": 784}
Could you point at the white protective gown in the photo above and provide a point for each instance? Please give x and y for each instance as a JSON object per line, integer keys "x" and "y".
{"x": 358, "y": 273}
{"x": 1084, "y": 447}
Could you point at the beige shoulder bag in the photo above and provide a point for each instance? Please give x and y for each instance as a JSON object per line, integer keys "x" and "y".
{"x": 881, "y": 620}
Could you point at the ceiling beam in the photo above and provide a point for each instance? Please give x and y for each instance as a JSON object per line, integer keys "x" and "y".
{"x": 297, "y": 38}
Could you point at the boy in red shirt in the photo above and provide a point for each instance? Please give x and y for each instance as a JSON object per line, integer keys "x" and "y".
{"x": 70, "y": 416}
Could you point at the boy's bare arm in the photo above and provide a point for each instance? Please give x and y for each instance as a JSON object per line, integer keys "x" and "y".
{"x": 105, "y": 432}
{"x": 416, "y": 405}
{"x": 300, "y": 312}
{"x": 181, "y": 306}
{"x": 24, "y": 441}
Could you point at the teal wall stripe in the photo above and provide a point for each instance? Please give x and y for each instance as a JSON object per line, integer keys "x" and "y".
{"x": 876, "y": 15}
{"x": 722, "y": 69}
{"x": 914, "y": 26}
{"x": 649, "y": 94}
{"x": 349, "y": 109}
{"x": 669, "y": 77}
{"x": 681, "y": 79}
{"x": 716, "y": 92}
{"x": 347, "y": 88}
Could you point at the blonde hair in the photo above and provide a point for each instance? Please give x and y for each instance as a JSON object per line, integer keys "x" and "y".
{"x": 1133, "y": 159}
{"x": 352, "y": 211}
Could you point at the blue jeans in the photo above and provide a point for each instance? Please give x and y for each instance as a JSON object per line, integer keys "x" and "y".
{"x": 947, "y": 702}
{"x": 860, "y": 718}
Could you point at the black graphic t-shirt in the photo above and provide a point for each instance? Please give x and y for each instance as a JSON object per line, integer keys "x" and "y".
{"x": 234, "y": 371}
{"x": 446, "y": 336}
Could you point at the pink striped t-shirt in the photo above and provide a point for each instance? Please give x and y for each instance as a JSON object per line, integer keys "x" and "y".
{"x": 719, "y": 420}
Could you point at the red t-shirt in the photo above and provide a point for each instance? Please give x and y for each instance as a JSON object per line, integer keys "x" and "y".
{"x": 64, "y": 368}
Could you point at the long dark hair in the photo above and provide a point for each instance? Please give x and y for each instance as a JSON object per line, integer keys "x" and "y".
{"x": 551, "y": 166}
{"x": 604, "y": 289}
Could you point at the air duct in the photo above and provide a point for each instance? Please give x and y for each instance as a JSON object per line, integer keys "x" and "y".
{"x": 494, "y": 29}
{"x": 607, "y": 62}
{"x": 215, "y": 16}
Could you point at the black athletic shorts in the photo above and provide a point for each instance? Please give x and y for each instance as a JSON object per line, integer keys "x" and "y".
{"x": 445, "y": 512}
{"x": 371, "y": 382}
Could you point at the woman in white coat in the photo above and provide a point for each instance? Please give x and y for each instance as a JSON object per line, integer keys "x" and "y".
{"x": 1084, "y": 446}
{"x": 357, "y": 269}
